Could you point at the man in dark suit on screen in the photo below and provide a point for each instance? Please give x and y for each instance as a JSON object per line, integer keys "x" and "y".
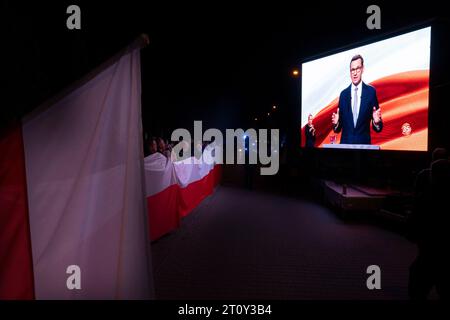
{"x": 358, "y": 108}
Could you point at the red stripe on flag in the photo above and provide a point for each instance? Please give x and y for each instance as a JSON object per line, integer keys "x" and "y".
{"x": 163, "y": 212}
{"x": 16, "y": 267}
{"x": 166, "y": 208}
{"x": 193, "y": 194}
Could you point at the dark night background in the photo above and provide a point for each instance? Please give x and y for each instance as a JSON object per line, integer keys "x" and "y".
{"x": 227, "y": 63}
{"x": 224, "y": 63}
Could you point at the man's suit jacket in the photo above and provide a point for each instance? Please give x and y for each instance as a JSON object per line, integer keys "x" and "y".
{"x": 359, "y": 134}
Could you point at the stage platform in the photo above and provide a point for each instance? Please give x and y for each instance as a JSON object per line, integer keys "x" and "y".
{"x": 363, "y": 198}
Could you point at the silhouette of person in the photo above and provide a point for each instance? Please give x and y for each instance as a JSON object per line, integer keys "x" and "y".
{"x": 310, "y": 133}
{"x": 152, "y": 146}
{"x": 429, "y": 223}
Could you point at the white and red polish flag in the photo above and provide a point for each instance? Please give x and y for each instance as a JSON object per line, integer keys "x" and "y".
{"x": 174, "y": 189}
{"x": 72, "y": 192}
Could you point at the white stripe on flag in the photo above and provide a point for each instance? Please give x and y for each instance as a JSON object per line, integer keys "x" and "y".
{"x": 85, "y": 184}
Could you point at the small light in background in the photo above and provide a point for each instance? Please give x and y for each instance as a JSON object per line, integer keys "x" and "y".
{"x": 295, "y": 73}
{"x": 274, "y": 107}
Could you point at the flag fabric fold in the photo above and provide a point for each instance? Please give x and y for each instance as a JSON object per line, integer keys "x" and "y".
{"x": 82, "y": 176}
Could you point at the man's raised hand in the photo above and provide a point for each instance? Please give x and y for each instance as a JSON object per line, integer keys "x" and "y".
{"x": 376, "y": 115}
{"x": 335, "y": 117}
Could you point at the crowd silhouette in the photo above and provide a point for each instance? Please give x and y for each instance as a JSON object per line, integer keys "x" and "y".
{"x": 429, "y": 229}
